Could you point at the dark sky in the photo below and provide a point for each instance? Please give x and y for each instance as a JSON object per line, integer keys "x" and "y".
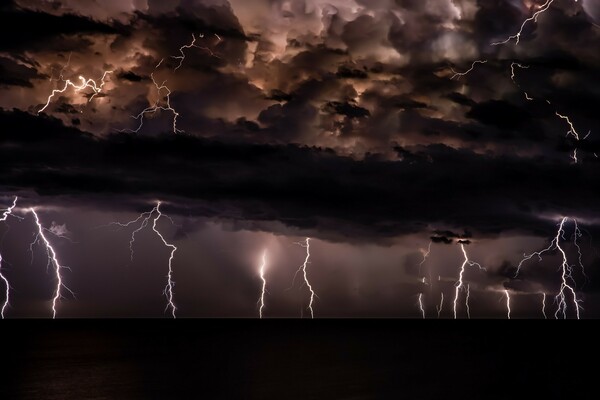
{"x": 354, "y": 123}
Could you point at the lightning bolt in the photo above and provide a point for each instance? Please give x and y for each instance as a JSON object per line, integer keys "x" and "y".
{"x": 5, "y": 214}
{"x": 85, "y": 83}
{"x": 507, "y": 303}
{"x": 513, "y": 78}
{"x": 52, "y": 260}
{"x": 459, "y": 74}
{"x": 439, "y": 308}
{"x": 261, "y": 300}
{"x": 460, "y": 284}
{"x": 145, "y": 220}
{"x": 421, "y": 308}
{"x": 156, "y": 107}
{"x": 181, "y": 58}
{"x": 566, "y": 272}
{"x": 425, "y": 256}
{"x": 544, "y": 305}
{"x": 572, "y": 131}
{"x": 302, "y": 269}
{"x": 517, "y": 36}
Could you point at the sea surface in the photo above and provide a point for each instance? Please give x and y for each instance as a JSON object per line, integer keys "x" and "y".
{"x": 295, "y": 359}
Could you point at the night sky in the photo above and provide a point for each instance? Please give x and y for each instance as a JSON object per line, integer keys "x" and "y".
{"x": 420, "y": 148}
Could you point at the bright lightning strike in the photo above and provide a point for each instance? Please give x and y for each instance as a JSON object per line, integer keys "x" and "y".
{"x": 52, "y": 260}
{"x": 264, "y": 283}
{"x": 302, "y": 269}
{"x": 145, "y": 219}
{"x": 507, "y": 303}
{"x": 460, "y": 284}
{"x": 517, "y": 36}
{"x": 5, "y": 214}
{"x": 156, "y": 107}
{"x": 169, "y": 287}
{"x": 421, "y": 308}
{"x": 544, "y": 305}
{"x": 459, "y": 74}
{"x": 85, "y": 83}
{"x": 572, "y": 131}
{"x": 439, "y": 308}
{"x": 566, "y": 272}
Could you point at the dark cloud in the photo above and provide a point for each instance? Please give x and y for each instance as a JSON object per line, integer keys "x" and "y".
{"x": 16, "y": 74}
{"x": 300, "y": 186}
{"x": 22, "y": 29}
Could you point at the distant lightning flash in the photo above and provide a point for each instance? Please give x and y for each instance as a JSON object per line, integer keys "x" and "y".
{"x": 156, "y": 107}
{"x": 566, "y": 273}
{"x": 425, "y": 256}
{"x": 459, "y": 74}
{"x": 264, "y": 283}
{"x": 302, "y": 269}
{"x": 460, "y": 284}
{"x": 52, "y": 260}
{"x": 439, "y": 308}
{"x": 517, "y": 36}
{"x": 85, "y": 83}
{"x": 5, "y": 214}
{"x": 421, "y": 305}
{"x": 145, "y": 219}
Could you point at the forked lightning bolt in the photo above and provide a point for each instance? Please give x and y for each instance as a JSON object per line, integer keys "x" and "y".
{"x": 181, "y": 57}
{"x": 145, "y": 219}
{"x": 156, "y": 107}
{"x": 52, "y": 260}
{"x": 517, "y": 36}
{"x": 567, "y": 282}
{"x": 460, "y": 284}
{"x": 85, "y": 83}
{"x": 302, "y": 269}
{"x": 261, "y": 271}
{"x": 5, "y": 214}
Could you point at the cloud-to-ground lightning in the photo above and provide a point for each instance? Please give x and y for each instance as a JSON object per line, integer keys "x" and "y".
{"x": 52, "y": 260}
{"x": 155, "y": 214}
{"x": 85, "y": 83}
{"x": 517, "y": 36}
{"x": 507, "y": 294}
{"x": 169, "y": 286}
{"x": 567, "y": 281}
{"x": 544, "y": 305}
{"x": 439, "y": 308}
{"x": 302, "y": 269}
{"x": 261, "y": 272}
{"x": 5, "y": 214}
{"x": 421, "y": 307}
{"x": 460, "y": 74}
{"x": 460, "y": 284}
{"x": 156, "y": 107}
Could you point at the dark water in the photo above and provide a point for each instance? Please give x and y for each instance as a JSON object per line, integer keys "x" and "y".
{"x": 295, "y": 359}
